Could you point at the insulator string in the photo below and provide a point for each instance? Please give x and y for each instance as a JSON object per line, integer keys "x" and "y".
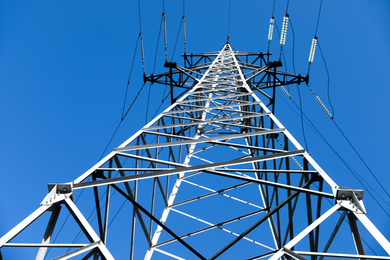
{"x": 271, "y": 27}
{"x": 283, "y": 34}
{"x": 270, "y": 31}
{"x": 312, "y": 49}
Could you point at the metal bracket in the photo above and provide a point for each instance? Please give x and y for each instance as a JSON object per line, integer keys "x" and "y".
{"x": 57, "y": 193}
{"x": 350, "y": 199}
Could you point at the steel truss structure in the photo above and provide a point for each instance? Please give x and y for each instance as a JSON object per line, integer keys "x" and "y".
{"x": 214, "y": 176}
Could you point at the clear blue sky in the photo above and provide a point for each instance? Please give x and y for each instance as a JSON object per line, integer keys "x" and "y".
{"x": 64, "y": 67}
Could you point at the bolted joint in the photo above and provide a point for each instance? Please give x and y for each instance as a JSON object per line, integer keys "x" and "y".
{"x": 350, "y": 199}
{"x": 57, "y": 193}
{"x": 62, "y": 188}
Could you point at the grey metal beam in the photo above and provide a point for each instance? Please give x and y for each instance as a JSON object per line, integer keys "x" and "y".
{"x": 251, "y": 228}
{"x": 49, "y": 232}
{"x": 206, "y": 121}
{"x": 133, "y": 196}
{"x": 22, "y": 225}
{"x": 356, "y": 235}
{"x": 333, "y": 235}
{"x": 198, "y": 168}
{"x": 203, "y": 140}
{"x": 158, "y": 222}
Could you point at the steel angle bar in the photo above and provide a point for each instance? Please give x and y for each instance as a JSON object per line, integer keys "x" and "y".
{"x": 93, "y": 252}
{"x": 168, "y": 254}
{"x": 247, "y": 71}
{"x": 226, "y": 90}
{"x": 270, "y": 183}
{"x": 201, "y": 108}
{"x": 203, "y": 140}
{"x": 132, "y": 169}
{"x": 217, "y": 108}
{"x": 194, "y": 69}
{"x": 198, "y": 168}
{"x": 184, "y": 71}
{"x": 87, "y": 229}
{"x": 149, "y": 159}
{"x": 306, "y": 231}
{"x": 221, "y": 228}
{"x": 48, "y": 232}
{"x": 210, "y": 53}
{"x": 96, "y": 166}
{"x": 262, "y": 255}
{"x": 42, "y": 245}
{"x": 24, "y": 224}
{"x": 256, "y": 73}
{"x": 271, "y": 170}
{"x": 78, "y": 251}
{"x": 261, "y": 91}
{"x": 219, "y": 192}
{"x": 130, "y": 194}
{"x": 136, "y": 204}
{"x": 181, "y": 102}
{"x": 294, "y": 254}
{"x": 204, "y": 121}
{"x": 374, "y": 232}
{"x": 129, "y": 140}
{"x": 259, "y": 222}
{"x": 333, "y": 235}
{"x": 356, "y": 234}
{"x": 212, "y": 227}
{"x": 332, "y": 184}
{"x": 336, "y": 255}
{"x": 191, "y": 118}
{"x": 209, "y": 194}
{"x": 241, "y": 126}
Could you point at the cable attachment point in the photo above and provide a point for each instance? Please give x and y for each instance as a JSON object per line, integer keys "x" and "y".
{"x": 57, "y": 193}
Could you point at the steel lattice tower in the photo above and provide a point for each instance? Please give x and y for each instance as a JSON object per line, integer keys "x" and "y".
{"x": 214, "y": 176}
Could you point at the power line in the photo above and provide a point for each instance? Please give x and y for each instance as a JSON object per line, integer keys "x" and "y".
{"x": 128, "y": 79}
{"x": 353, "y": 172}
{"x": 299, "y": 91}
{"x": 177, "y": 37}
{"x": 318, "y": 18}
{"x": 228, "y": 29}
{"x": 361, "y": 158}
{"x": 328, "y": 77}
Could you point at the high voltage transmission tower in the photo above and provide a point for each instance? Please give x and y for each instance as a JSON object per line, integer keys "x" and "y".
{"x": 214, "y": 176}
